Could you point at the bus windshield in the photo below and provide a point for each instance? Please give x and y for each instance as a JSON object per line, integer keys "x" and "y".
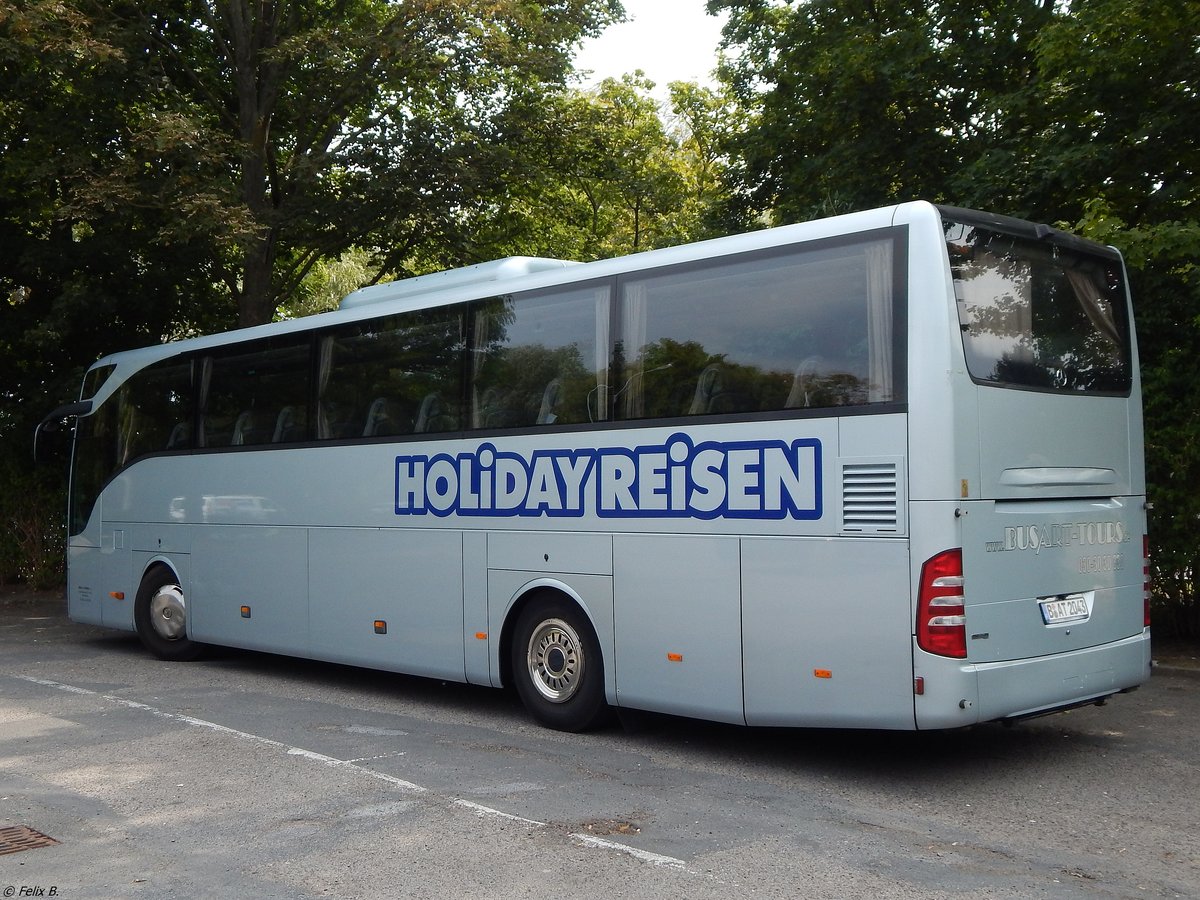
{"x": 1038, "y": 315}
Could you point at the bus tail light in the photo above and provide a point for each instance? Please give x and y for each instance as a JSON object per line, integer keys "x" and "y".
{"x": 941, "y": 614}
{"x": 1146, "y": 585}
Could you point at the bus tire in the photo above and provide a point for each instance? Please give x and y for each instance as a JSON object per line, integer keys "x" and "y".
{"x": 557, "y": 666}
{"x": 160, "y": 615}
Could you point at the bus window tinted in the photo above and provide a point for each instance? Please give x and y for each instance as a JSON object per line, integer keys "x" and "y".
{"x": 94, "y": 380}
{"x": 393, "y": 376}
{"x": 540, "y": 359}
{"x": 257, "y": 396}
{"x": 1037, "y": 315}
{"x": 155, "y": 411}
{"x": 807, "y": 329}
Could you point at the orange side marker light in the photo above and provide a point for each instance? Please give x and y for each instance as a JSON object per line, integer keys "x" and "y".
{"x": 822, "y": 673}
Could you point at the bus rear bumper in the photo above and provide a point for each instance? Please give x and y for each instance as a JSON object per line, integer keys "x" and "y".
{"x": 1029, "y": 687}
{"x": 1022, "y": 688}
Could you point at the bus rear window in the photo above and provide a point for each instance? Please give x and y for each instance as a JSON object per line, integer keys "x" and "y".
{"x": 1038, "y": 315}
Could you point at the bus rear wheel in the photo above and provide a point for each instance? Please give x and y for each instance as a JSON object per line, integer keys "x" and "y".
{"x": 557, "y": 666}
{"x": 160, "y": 614}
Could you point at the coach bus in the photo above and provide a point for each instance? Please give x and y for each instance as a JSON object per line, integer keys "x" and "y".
{"x": 882, "y": 470}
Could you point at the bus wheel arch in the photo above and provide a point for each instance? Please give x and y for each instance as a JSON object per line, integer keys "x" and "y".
{"x": 160, "y": 615}
{"x": 551, "y": 655}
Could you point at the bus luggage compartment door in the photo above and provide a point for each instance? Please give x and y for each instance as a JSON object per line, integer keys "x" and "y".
{"x": 677, "y": 619}
{"x": 826, "y": 632}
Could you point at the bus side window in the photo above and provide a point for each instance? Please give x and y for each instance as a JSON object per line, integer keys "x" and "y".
{"x": 245, "y": 430}
{"x": 717, "y": 391}
{"x": 551, "y": 400}
{"x": 155, "y": 410}
{"x": 805, "y": 382}
{"x": 392, "y": 376}
{"x": 246, "y": 394}
{"x": 539, "y": 358}
{"x": 803, "y": 328}
{"x": 435, "y": 415}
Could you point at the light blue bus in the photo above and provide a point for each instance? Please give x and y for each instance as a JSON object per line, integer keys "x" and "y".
{"x": 882, "y": 470}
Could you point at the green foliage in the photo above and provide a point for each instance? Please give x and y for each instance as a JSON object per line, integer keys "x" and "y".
{"x": 1119, "y": 79}
{"x": 600, "y": 174}
{"x": 32, "y": 525}
{"x": 1162, "y": 259}
{"x": 597, "y": 173}
{"x": 327, "y": 282}
{"x": 1026, "y": 106}
{"x": 268, "y": 136}
{"x": 74, "y": 284}
{"x": 702, "y": 122}
{"x": 853, "y": 105}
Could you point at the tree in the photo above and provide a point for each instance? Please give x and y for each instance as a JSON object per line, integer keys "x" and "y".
{"x": 602, "y": 173}
{"x": 71, "y": 285}
{"x": 702, "y": 123}
{"x": 855, "y": 105}
{"x": 287, "y": 131}
{"x": 1119, "y": 82}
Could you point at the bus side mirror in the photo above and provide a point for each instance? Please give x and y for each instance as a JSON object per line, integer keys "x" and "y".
{"x": 53, "y": 422}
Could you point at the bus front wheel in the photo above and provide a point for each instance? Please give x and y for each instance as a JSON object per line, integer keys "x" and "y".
{"x": 557, "y": 666}
{"x": 160, "y": 614}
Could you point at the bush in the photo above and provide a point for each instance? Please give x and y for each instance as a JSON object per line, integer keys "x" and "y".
{"x": 32, "y": 525}
{"x": 1174, "y": 608}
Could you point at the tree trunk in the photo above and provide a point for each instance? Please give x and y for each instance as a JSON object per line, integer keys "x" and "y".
{"x": 257, "y": 302}
{"x": 257, "y": 81}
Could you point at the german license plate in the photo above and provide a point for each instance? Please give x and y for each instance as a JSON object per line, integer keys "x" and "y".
{"x": 1069, "y": 608}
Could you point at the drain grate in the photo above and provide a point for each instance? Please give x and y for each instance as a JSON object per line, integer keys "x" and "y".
{"x": 15, "y": 838}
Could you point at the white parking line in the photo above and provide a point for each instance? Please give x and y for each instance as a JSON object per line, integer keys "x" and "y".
{"x": 657, "y": 859}
{"x": 400, "y": 784}
{"x": 487, "y": 811}
{"x": 406, "y": 786}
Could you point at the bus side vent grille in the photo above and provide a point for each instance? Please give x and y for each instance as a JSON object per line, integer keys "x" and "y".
{"x": 870, "y": 497}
